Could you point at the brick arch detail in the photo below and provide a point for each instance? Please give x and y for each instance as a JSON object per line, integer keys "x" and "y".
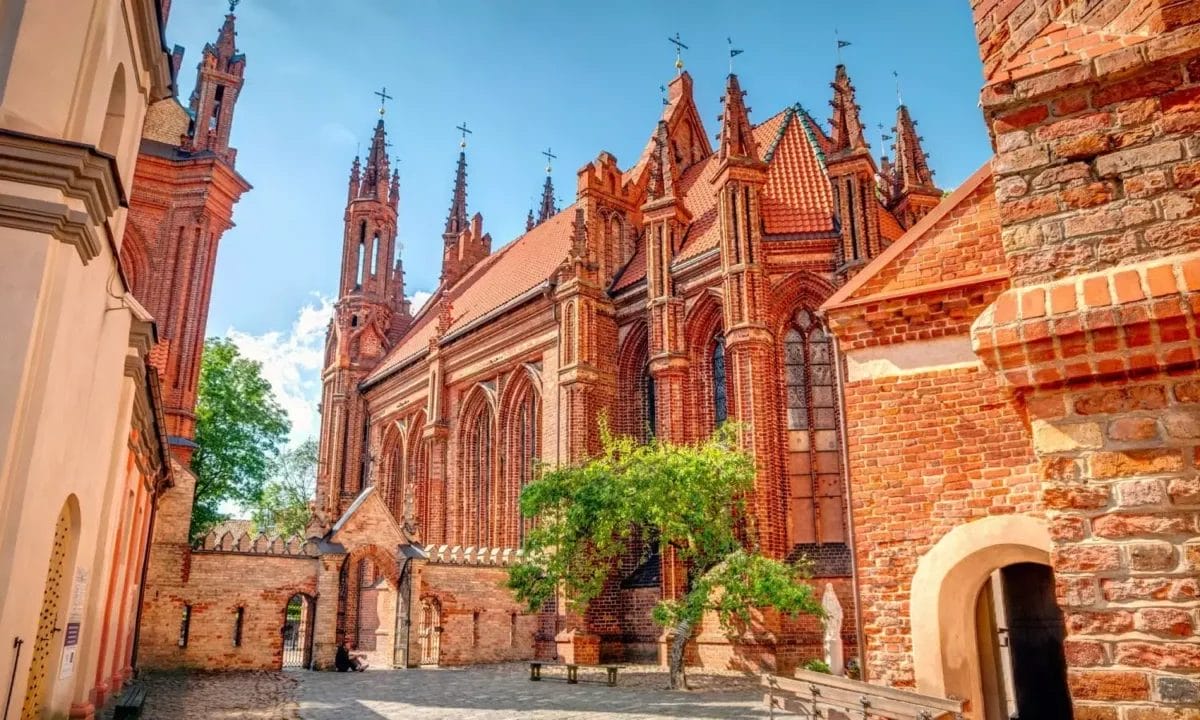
{"x": 632, "y": 356}
{"x": 701, "y": 327}
{"x": 523, "y": 386}
{"x": 385, "y": 565}
{"x": 418, "y": 473}
{"x": 468, "y": 509}
{"x": 135, "y": 261}
{"x": 393, "y": 471}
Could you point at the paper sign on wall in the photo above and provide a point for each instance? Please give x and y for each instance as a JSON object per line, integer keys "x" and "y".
{"x": 74, "y": 620}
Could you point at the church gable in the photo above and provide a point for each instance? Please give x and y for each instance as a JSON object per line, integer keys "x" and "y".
{"x": 367, "y": 522}
{"x": 959, "y": 239}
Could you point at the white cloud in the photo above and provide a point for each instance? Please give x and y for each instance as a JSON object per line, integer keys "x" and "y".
{"x": 291, "y": 362}
{"x": 418, "y": 300}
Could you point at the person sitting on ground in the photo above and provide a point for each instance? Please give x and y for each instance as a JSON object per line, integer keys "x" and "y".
{"x": 345, "y": 660}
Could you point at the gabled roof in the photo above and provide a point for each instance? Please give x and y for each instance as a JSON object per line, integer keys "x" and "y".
{"x": 797, "y": 198}
{"x": 934, "y": 251}
{"x": 522, "y": 265}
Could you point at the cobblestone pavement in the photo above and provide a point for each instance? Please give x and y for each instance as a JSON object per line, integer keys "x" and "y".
{"x": 481, "y": 693}
{"x": 502, "y": 692}
{"x": 220, "y": 696}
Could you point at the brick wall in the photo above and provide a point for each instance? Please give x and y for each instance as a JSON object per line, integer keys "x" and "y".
{"x": 1094, "y": 117}
{"x": 218, "y": 584}
{"x": 482, "y": 623}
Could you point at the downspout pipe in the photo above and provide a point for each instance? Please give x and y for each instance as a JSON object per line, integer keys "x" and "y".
{"x": 845, "y": 457}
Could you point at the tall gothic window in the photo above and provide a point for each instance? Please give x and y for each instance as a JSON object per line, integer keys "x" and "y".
{"x": 814, "y": 459}
{"x": 720, "y": 391}
{"x": 648, "y": 398}
{"x": 526, "y": 429}
{"x": 477, "y": 476}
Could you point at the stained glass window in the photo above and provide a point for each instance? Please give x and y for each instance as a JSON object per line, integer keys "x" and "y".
{"x": 814, "y": 442}
{"x": 720, "y": 393}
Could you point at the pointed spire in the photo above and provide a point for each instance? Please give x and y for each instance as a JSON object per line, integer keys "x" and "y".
{"x": 394, "y": 191}
{"x": 662, "y": 166}
{"x": 355, "y": 178}
{"x": 456, "y": 219}
{"x": 547, "y": 209}
{"x": 375, "y": 174}
{"x": 912, "y": 167}
{"x": 529, "y": 223}
{"x": 737, "y": 136}
{"x": 846, "y": 131}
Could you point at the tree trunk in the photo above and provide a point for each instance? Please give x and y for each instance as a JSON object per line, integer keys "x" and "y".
{"x": 683, "y": 633}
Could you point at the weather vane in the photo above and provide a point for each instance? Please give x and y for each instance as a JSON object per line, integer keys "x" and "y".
{"x": 550, "y": 156}
{"x": 663, "y": 88}
{"x": 883, "y": 137}
{"x": 465, "y": 132}
{"x": 840, "y": 44}
{"x": 383, "y": 98}
{"x": 679, "y": 48}
{"x": 733, "y": 52}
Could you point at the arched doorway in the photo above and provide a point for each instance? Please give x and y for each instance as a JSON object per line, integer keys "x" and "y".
{"x": 985, "y": 625}
{"x": 1020, "y": 632}
{"x": 430, "y": 630}
{"x": 298, "y": 617}
{"x": 368, "y": 604}
{"x": 40, "y": 679}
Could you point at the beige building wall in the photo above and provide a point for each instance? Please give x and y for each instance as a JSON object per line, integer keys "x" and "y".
{"x": 79, "y": 443}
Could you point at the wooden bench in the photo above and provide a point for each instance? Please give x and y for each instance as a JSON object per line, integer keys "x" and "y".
{"x": 130, "y": 704}
{"x": 535, "y": 672}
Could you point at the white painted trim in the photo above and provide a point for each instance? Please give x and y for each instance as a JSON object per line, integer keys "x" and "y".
{"x": 910, "y": 358}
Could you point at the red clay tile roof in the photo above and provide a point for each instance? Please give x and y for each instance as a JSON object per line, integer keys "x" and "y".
{"x": 889, "y": 226}
{"x": 797, "y": 197}
{"x": 502, "y": 276}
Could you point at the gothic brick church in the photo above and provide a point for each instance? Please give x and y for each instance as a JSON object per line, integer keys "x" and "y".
{"x": 978, "y": 415}
{"x": 671, "y": 295}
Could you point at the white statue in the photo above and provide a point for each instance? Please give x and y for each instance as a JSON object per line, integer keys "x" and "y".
{"x": 833, "y": 630}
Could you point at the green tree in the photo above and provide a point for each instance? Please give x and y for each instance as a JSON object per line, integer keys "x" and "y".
{"x": 691, "y": 498}
{"x": 239, "y": 429}
{"x": 283, "y": 507}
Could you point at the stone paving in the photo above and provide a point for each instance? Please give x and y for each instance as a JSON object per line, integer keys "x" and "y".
{"x": 480, "y": 693}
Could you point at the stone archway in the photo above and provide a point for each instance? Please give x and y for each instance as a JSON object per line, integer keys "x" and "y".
{"x": 945, "y": 592}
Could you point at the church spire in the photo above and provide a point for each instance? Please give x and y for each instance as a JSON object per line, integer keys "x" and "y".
{"x": 846, "y": 126}
{"x": 662, "y": 166}
{"x": 912, "y": 168}
{"x": 375, "y": 174}
{"x": 219, "y": 78}
{"x": 737, "y": 136}
{"x": 547, "y": 209}
{"x": 456, "y": 219}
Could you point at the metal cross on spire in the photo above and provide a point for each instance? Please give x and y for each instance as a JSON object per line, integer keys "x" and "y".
{"x": 550, "y": 157}
{"x": 463, "y": 128}
{"x": 733, "y": 52}
{"x": 383, "y": 98}
{"x": 679, "y": 48}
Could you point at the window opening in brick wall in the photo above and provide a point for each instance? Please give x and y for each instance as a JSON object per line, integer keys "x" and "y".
{"x": 528, "y": 431}
{"x": 475, "y": 629}
{"x": 238, "y": 616}
{"x": 813, "y": 442}
{"x": 476, "y": 502}
{"x": 512, "y": 630}
{"x": 185, "y": 626}
{"x": 720, "y": 391}
{"x": 651, "y": 412}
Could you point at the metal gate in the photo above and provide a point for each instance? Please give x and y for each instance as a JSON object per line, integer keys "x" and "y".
{"x": 298, "y": 619}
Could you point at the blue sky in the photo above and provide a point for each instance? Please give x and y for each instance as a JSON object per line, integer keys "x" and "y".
{"x": 575, "y": 77}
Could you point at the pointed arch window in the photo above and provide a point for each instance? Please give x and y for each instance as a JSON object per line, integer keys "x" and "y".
{"x": 814, "y": 441}
{"x": 477, "y": 450}
{"x": 720, "y": 388}
{"x": 651, "y": 412}
{"x": 526, "y": 449}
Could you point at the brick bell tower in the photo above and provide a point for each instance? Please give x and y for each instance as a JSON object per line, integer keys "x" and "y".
{"x": 184, "y": 188}
{"x": 370, "y": 315}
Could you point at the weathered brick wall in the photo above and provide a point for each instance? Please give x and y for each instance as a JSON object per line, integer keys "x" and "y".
{"x": 1098, "y": 159}
{"x": 218, "y": 583}
{"x": 928, "y": 452}
{"x": 480, "y": 619}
